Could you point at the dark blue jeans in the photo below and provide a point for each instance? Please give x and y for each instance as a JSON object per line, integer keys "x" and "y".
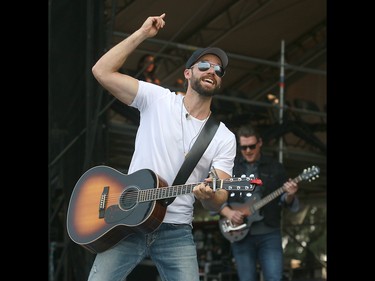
{"x": 265, "y": 249}
{"x": 171, "y": 247}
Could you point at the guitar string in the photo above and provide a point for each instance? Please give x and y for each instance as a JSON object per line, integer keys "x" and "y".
{"x": 134, "y": 194}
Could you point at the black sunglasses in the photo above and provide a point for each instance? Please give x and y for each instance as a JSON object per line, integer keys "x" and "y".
{"x": 245, "y": 147}
{"x": 205, "y": 65}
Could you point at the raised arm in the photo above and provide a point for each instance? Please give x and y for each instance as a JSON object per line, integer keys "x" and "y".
{"x": 106, "y": 69}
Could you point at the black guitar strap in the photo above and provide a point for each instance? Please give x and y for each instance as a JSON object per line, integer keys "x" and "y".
{"x": 195, "y": 154}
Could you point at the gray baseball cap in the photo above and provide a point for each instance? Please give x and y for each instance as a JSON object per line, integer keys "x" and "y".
{"x": 209, "y": 50}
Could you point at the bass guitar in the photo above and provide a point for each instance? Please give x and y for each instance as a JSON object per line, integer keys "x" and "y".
{"x": 107, "y": 206}
{"x": 234, "y": 232}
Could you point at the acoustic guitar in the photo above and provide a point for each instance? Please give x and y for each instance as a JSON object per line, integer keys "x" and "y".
{"x": 107, "y": 206}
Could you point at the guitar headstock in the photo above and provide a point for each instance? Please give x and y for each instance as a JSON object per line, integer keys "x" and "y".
{"x": 242, "y": 183}
{"x": 310, "y": 173}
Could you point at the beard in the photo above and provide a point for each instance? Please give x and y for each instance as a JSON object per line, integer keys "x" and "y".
{"x": 196, "y": 86}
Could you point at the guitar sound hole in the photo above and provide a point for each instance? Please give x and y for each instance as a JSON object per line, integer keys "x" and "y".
{"x": 129, "y": 198}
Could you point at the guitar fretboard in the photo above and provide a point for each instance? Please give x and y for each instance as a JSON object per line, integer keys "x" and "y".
{"x": 164, "y": 192}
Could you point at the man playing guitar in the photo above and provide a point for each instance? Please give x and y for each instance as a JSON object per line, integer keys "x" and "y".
{"x": 257, "y": 236}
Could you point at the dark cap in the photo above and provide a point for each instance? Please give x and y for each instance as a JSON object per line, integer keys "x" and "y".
{"x": 209, "y": 50}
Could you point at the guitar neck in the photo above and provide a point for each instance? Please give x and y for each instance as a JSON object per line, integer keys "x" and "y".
{"x": 265, "y": 200}
{"x": 238, "y": 184}
{"x": 165, "y": 192}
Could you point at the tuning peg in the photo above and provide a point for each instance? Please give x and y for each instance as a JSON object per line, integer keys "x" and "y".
{"x": 313, "y": 178}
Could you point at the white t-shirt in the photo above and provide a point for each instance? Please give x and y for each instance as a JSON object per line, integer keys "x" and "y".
{"x": 165, "y": 135}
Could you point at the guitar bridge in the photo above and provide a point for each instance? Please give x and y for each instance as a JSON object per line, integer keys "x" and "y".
{"x": 103, "y": 202}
